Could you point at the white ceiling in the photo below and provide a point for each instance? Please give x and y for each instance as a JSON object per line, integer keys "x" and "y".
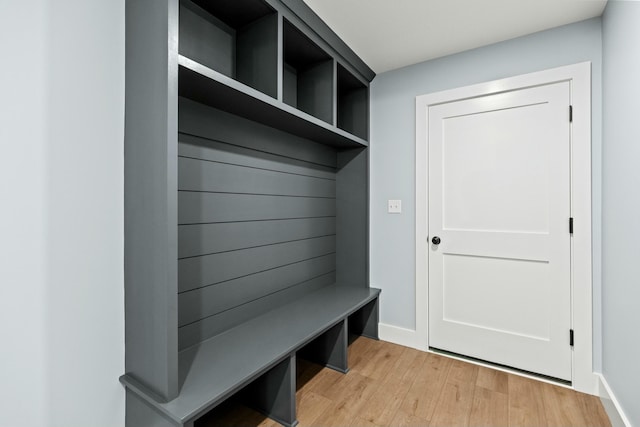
{"x": 389, "y": 34}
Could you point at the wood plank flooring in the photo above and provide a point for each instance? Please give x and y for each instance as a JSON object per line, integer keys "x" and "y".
{"x": 391, "y": 385}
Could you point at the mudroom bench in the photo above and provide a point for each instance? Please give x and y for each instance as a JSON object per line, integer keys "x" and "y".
{"x": 258, "y": 358}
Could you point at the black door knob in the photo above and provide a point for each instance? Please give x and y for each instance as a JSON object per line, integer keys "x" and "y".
{"x": 435, "y": 240}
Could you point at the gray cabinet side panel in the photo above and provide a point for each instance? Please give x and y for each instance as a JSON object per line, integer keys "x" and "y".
{"x": 352, "y": 217}
{"x": 151, "y": 194}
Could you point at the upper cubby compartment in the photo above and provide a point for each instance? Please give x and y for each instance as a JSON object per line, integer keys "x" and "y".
{"x": 237, "y": 38}
{"x": 307, "y": 75}
{"x": 352, "y": 104}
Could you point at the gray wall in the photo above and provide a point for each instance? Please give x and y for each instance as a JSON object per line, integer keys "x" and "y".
{"x": 393, "y": 144}
{"x": 23, "y": 283}
{"x": 61, "y": 222}
{"x": 621, "y": 203}
{"x": 85, "y": 205}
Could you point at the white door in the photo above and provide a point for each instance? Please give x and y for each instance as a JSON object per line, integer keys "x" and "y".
{"x": 499, "y": 202}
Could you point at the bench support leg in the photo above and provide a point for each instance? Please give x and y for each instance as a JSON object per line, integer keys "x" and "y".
{"x": 365, "y": 321}
{"x": 274, "y": 393}
{"x": 330, "y": 348}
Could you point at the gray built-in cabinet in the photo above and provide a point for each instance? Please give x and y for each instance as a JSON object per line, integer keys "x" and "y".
{"x": 246, "y": 205}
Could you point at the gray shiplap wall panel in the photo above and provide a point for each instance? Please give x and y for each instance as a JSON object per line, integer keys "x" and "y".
{"x": 203, "y": 239}
{"x": 352, "y": 112}
{"x": 256, "y": 215}
{"x": 199, "y": 208}
{"x": 208, "y": 149}
{"x": 196, "y": 332}
{"x": 207, "y": 270}
{"x": 205, "y": 302}
{"x": 202, "y": 175}
{"x": 200, "y": 120}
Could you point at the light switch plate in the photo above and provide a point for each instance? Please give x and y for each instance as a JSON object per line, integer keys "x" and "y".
{"x": 395, "y": 206}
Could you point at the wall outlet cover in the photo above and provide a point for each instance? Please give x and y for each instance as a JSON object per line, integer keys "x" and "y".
{"x": 395, "y": 206}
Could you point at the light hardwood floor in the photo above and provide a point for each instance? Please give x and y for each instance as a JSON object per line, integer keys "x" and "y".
{"x": 391, "y": 385}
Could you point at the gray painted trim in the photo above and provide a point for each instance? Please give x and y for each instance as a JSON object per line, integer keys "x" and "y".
{"x": 151, "y": 194}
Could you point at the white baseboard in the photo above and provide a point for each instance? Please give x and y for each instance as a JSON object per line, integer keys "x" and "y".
{"x": 611, "y": 405}
{"x": 397, "y": 335}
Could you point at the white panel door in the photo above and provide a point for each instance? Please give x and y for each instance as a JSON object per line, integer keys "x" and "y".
{"x": 499, "y": 202}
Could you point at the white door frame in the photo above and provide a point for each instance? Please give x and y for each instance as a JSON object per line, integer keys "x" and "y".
{"x": 579, "y": 76}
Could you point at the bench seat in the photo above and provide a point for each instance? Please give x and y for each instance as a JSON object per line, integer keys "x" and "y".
{"x": 219, "y": 367}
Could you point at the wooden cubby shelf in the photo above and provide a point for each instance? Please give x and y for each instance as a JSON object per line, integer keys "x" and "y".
{"x": 237, "y": 38}
{"x": 202, "y": 84}
{"x": 352, "y": 104}
{"x": 307, "y": 75}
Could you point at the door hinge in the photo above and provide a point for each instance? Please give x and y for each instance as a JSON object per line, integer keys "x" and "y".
{"x": 570, "y": 225}
{"x": 570, "y": 113}
{"x": 571, "y": 337}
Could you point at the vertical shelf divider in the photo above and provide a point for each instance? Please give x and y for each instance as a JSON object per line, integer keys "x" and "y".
{"x": 334, "y": 93}
{"x": 280, "y": 58}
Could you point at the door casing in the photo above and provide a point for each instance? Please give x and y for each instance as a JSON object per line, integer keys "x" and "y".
{"x": 579, "y": 76}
